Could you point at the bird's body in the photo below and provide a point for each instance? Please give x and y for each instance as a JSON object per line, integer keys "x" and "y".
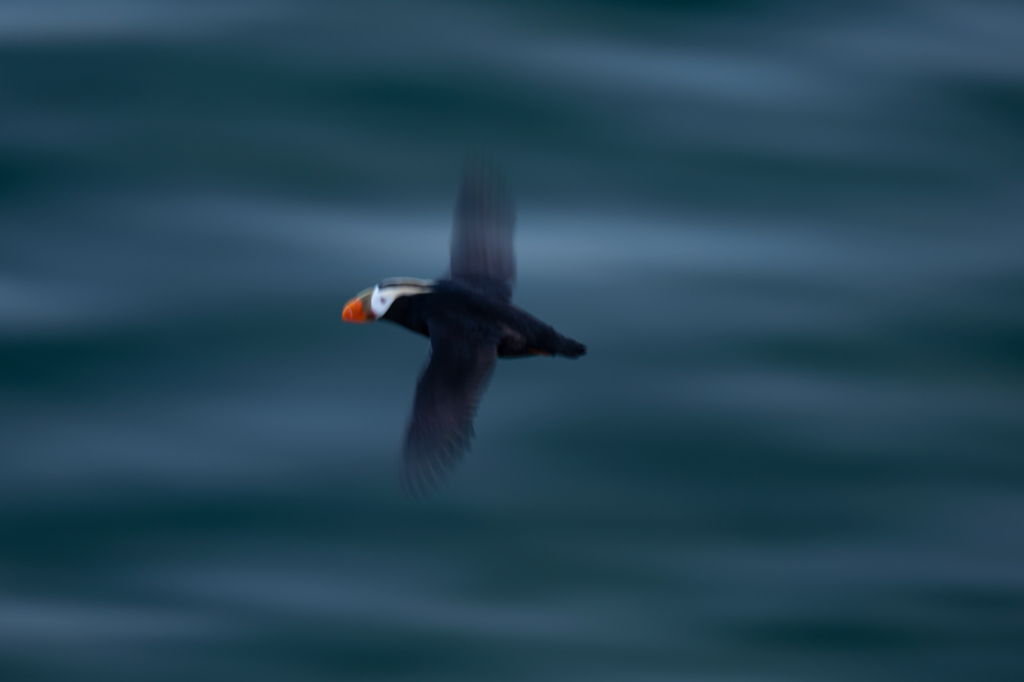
{"x": 471, "y": 322}
{"x": 473, "y": 314}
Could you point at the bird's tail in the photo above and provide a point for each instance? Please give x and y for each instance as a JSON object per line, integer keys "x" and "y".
{"x": 571, "y": 348}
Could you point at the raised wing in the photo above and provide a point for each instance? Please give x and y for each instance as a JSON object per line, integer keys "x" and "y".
{"x": 482, "y": 254}
{"x": 447, "y": 397}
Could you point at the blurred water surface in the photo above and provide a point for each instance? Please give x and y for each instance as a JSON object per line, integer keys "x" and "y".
{"x": 789, "y": 234}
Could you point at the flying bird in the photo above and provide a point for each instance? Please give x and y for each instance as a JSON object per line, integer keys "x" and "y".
{"x": 470, "y": 320}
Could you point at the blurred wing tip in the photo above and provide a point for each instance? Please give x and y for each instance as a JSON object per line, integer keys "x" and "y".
{"x": 425, "y": 469}
{"x": 481, "y": 245}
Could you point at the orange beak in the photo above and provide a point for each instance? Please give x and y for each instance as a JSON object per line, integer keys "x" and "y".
{"x": 356, "y": 312}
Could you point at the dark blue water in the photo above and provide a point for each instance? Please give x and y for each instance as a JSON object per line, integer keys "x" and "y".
{"x": 789, "y": 234}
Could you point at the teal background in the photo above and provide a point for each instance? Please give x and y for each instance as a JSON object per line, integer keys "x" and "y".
{"x": 790, "y": 234}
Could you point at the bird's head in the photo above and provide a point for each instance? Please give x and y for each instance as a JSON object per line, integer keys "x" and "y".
{"x": 370, "y": 305}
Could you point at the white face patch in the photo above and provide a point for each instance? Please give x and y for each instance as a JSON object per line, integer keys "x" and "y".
{"x": 385, "y": 293}
{"x": 379, "y": 303}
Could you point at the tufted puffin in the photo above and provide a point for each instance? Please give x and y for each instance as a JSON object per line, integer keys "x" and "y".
{"x": 470, "y": 321}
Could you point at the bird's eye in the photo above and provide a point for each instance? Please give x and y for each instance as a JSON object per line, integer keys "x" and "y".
{"x": 384, "y": 301}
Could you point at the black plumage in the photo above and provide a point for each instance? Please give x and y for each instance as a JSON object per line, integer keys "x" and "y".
{"x": 471, "y": 322}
